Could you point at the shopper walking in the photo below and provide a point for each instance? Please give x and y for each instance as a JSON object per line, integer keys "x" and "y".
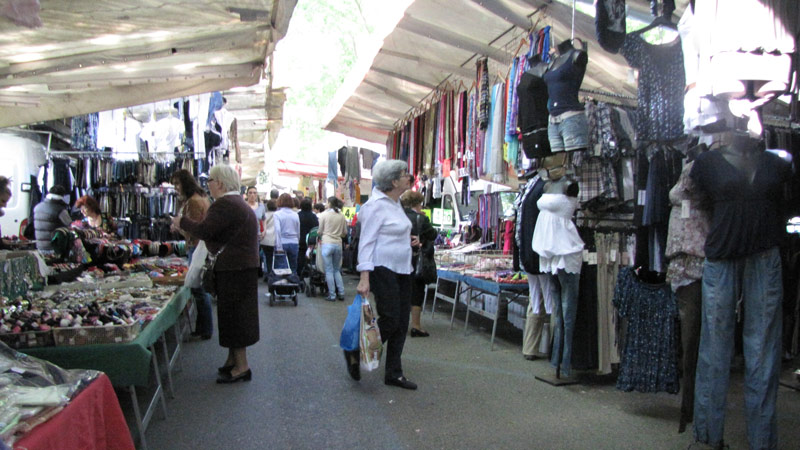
{"x": 332, "y": 228}
{"x": 426, "y": 234}
{"x": 229, "y": 229}
{"x": 48, "y": 215}
{"x": 384, "y": 260}
{"x": 287, "y": 230}
{"x": 194, "y": 205}
{"x": 267, "y": 238}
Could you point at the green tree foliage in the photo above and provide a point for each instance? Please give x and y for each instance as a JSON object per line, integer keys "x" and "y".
{"x": 315, "y": 57}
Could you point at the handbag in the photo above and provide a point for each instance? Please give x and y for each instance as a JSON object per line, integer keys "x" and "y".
{"x": 425, "y": 270}
{"x": 208, "y": 277}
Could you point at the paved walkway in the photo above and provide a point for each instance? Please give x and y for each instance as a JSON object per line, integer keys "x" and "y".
{"x": 468, "y": 398}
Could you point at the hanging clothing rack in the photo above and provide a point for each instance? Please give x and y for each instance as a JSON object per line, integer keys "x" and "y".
{"x": 432, "y": 93}
{"x": 608, "y": 94}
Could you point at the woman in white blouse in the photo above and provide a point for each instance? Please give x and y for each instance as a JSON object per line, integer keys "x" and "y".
{"x": 384, "y": 261}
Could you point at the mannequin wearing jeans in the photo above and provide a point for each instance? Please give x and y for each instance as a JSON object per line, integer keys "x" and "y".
{"x": 543, "y": 289}
{"x": 560, "y": 250}
{"x": 746, "y": 187}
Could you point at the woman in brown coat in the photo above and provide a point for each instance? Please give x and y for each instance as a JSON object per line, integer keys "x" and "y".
{"x": 230, "y": 228}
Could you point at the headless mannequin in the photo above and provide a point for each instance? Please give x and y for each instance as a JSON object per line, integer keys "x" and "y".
{"x": 743, "y": 267}
{"x": 533, "y": 113}
{"x": 567, "y": 51}
{"x": 742, "y": 153}
{"x": 537, "y": 67}
{"x": 567, "y": 128}
{"x": 563, "y": 315}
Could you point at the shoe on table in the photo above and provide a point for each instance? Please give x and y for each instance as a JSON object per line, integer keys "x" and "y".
{"x": 402, "y": 382}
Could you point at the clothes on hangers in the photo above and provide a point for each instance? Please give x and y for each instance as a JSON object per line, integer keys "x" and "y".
{"x": 649, "y": 359}
{"x": 661, "y": 82}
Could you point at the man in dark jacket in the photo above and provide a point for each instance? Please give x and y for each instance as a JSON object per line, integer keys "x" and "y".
{"x": 48, "y": 215}
{"x": 308, "y": 220}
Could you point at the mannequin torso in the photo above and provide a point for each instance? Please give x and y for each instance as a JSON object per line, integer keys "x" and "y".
{"x": 564, "y": 79}
{"x": 743, "y": 153}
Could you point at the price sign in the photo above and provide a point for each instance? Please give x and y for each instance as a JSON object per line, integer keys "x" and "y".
{"x": 349, "y": 212}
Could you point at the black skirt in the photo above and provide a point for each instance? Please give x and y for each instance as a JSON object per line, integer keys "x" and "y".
{"x": 237, "y": 307}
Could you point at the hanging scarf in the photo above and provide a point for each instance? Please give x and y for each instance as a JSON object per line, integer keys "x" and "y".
{"x": 485, "y": 96}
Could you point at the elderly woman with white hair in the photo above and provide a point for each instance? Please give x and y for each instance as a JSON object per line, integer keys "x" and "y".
{"x": 231, "y": 228}
{"x": 384, "y": 260}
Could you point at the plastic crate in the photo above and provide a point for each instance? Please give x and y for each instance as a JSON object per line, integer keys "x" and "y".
{"x": 28, "y": 339}
{"x": 118, "y": 334}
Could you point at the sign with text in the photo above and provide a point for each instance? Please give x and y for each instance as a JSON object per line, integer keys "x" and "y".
{"x": 349, "y": 212}
{"x": 442, "y": 216}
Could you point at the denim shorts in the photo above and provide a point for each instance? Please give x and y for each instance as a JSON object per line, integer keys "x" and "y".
{"x": 568, "y": 134}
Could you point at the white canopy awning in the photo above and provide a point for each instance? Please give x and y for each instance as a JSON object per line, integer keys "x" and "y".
{"x": 438, "y": 42}
{"x": 97, "y": 55}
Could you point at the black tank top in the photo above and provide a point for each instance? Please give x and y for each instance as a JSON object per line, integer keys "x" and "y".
{"x": 563, "y": 84}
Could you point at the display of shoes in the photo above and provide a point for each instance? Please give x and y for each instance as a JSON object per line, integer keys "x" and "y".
{"x": 402, "y": 382}
{"x": 227, "y": 377}
{"x": 416, "y": 332}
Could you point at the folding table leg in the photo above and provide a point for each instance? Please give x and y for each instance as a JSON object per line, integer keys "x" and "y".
{"x": 168, "y": 365}
{"x": 435, "y": 296}
{"x": 494, "y": 330}
{"x": 140, "y": 426}
{"x": 175, "y": 358}
{"x": 455, "y": 304}
{"x": 159, "y": 394}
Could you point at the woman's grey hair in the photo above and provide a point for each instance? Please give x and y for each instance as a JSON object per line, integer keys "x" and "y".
{"x": 386, "y": 171}
{"x": 226, "y": 176}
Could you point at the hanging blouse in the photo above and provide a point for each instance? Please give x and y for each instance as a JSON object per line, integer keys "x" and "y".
{"x": 661, "y": 83}
{"x": 649, "y": 359}
{"x": 555, "y": 237}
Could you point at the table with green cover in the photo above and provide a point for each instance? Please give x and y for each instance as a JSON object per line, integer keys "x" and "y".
{"x": 125, "y": 364}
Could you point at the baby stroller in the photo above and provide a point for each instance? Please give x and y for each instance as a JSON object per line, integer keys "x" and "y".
{"x": 316, "y": 277}
{"x": 283, "y": 285}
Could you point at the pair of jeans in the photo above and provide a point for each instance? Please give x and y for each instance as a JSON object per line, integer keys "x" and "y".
{"x": 689, "y": 299}
{"x": 563, "y": 321}
{"x": 333, "y": 174}
{"x": 393, "y": 302}
{"x": 205, "y": 320}
{"x": 757, "y": 280}
{"x": 332, "y": 257}
{"x": 291, "y": 251}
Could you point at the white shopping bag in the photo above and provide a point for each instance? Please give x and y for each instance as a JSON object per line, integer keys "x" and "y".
{"x": 194, "y": 274}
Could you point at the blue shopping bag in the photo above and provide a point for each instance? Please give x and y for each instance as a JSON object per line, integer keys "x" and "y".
{"x": 352, "y": 326}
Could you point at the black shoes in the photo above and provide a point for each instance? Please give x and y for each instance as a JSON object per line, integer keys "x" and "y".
{"x": 225, "y": 369}
{"x": 402, "y": 382}
{"x": 226, "y": 377}
{"x": 202, "y": 336}
{"x": 416, "y": 332}
{"x": 352, "y": 359}
{"x": 340, "y": 297}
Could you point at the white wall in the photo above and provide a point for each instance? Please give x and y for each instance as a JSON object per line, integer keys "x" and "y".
{"x": 20, "y": 157}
